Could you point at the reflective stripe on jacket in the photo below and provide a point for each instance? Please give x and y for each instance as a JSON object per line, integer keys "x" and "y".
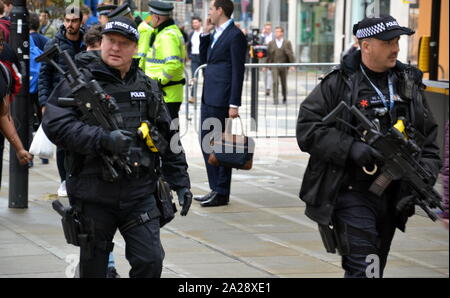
{"x": 145, "y": 32}
{"x": 165, "y": 61}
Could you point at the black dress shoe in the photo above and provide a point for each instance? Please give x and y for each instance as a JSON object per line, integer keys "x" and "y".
{"x": 205, "y": 197}
{"x": 216, "y": 200}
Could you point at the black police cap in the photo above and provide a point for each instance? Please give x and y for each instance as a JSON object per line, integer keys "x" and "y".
{"x": 384, "y": 28}
{"x": 106, "y": 9}
{"x": 160, "y": 8}
{"x": 124, "y": 26}
{"x": 120, "y": 11}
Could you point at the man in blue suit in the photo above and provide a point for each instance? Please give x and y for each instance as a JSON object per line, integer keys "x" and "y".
{"x": 224, "y": 51}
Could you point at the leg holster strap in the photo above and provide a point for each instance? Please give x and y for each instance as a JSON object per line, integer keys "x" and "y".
{"x": 140, "y": 220}
{"x": 88, "y": 246}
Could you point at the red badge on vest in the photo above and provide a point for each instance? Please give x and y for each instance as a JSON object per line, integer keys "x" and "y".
{"x": 363, "y": 103}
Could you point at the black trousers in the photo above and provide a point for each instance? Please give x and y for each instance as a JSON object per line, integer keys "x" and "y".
{"x": 174, "y": 109}
{"x": 372, "y": 227}
{"x": 279, "y": 74}
{"x": 143, "y": 248}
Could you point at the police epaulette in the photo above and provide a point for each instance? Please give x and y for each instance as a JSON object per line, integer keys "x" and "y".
{"x": 333, "y": 70}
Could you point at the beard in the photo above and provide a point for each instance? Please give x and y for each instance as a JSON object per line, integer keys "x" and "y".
{"x": 72, "y": 31}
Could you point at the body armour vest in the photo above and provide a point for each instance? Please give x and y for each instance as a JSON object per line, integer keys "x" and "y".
{"x": 383, "y": 113}
{"x": 134, "y": 100}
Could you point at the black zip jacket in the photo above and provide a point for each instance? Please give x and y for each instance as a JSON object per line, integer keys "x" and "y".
{"x": 49, "y": 77}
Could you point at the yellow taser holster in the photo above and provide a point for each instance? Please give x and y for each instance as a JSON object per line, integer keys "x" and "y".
{"x": 144, "y": 134}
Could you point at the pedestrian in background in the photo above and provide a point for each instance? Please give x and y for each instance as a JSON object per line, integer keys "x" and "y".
{"x": 8, "y": 56}
{"x": 37, "y": 44}
{"x": 166, "y": 55}
{"x": 5, "y": 22}
{"x": 46, "y": 25}
{"x": 266, "y": 37}
{"x": 104, "y": 10}
{"x": 224, "y": 53}
{"x": 280, "y": 50}
{"x": 70, "y": 38}
{"x": 9, "y": 86}
{"x": 145, "y": 32}
{"x": 193, "y": 48}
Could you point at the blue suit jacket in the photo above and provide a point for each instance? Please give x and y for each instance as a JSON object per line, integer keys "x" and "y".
{"x": 224, "y": 74}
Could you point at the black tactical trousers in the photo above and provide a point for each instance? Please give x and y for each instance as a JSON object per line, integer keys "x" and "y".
{"x": 370, "y": 227}
{"x": 143, "y": 249}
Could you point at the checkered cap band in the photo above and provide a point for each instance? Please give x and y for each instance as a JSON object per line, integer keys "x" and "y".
{"x": 371, "y": 31}
{"x": 121, "y": 27}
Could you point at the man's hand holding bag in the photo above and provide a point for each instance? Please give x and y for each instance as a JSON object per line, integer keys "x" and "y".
{"x": 233, "y": 151}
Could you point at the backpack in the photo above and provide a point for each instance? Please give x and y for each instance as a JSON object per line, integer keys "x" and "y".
{"x": 35, "y": 67}
{"x": 5, "y": 26}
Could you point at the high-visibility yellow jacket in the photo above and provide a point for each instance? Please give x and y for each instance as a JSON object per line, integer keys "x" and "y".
{"x": 165, "y": 61}
{"x": 145, "y": 30}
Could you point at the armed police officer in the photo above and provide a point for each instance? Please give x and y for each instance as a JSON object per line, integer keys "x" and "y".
{"x": 105, "y": 203}
{"x": 335, "y": 186}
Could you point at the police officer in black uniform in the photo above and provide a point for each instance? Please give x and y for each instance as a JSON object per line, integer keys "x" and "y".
{"x": 104, "y": 205}
{"x": 103, "y": 11}
{"x": 335, "y": 187}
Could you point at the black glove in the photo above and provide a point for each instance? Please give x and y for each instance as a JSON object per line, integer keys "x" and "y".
{"x": 185, "y": 200}
{"x": 364, "y": 155}
{"x": 117, "y": 141}
{"x": 406, "y": 205}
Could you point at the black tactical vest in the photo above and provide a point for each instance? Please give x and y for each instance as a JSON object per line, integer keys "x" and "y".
{"x": 371, "y": 105}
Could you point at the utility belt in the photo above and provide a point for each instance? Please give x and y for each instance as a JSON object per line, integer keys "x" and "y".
{"x": 165, "y": 210}
{"x": 173, "y": 83}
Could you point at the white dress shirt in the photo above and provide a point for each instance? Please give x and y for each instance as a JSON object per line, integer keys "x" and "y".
{"x": 195, "y": 42}
{"x": 219, "y": 31}
{"x": 279, "y": 42}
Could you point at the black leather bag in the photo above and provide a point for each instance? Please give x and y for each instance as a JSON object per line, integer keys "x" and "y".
{"x": 233, "y": 151}
{"x": 164, "y": 202}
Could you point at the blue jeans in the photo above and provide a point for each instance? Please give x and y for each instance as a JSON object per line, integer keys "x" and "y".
{"x": 111, "y": 262}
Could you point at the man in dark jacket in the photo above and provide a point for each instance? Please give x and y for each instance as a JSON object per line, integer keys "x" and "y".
{"x": 334, "y": 187}
{"x": 224, "y": 52}
{"x": 106, "y": 204}
{"x": 69, "y": 38}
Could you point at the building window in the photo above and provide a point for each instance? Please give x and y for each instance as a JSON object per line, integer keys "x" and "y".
{"x": 316, "y": 30}
{"x": 368, "y": 8}
{"x": 243, "y": 12}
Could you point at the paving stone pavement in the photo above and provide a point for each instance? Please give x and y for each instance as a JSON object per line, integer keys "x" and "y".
{"x": 261, "y": 233}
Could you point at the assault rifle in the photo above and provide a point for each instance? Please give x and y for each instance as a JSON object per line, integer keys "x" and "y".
{"x": 400, "y": 151}
{"x": 97, "y": 107}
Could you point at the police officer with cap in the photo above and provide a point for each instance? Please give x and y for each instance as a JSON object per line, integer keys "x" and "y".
{"x": 123, "y": 10}
{"x": 129, "y": 200}
{"x": 103, "y": 11}
{"x": 160, "y": 8}
{"x": 335, "y": 186}
{"x": 166, "y": 55}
